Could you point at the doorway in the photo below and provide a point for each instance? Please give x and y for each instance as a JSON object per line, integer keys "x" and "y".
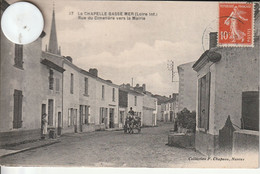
{"x": 111, "y": 118}
{"x": 81, "y": 112}
{"x": 43, "y": 112}
{"x": 74, "y": 116}
{"x": 250, "y": 110}
{"x": 59, "y": 123}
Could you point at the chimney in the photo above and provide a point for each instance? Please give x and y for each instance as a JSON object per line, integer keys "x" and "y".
{"x": 213, "y": 39}
{"x": 109, "y": 81}
{"x": 170, "y": 96}
{"x": 128, "y": 85}
{"x": 144, "y": 87}
{"x": 68, "y": 58}
{"x": 93, "y": 71}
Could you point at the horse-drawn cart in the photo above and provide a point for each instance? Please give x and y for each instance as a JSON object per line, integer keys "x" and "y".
{"x": 132, "y": 122}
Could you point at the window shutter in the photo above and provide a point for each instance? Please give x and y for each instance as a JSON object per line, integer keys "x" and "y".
{"x": 100, "y": 116}
{"x": 50, "y": 112}
{"x": 57, "y": 84}
{"x": 17, "y": 118}
{"x": 207, "y": 106}
{"x": 199, "y": 103}
{"x": 18, "y": 59}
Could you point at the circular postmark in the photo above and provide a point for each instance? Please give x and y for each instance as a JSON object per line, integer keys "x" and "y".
{"x": 22, "y": 23}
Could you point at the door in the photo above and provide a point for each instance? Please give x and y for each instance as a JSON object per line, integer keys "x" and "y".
{"x": 43, "y": 112}
{"x": 81, "y": 107}
{"x": 74, "y": 114}
{"x": 59, "y": 123}
{"x": 111, "y": 118}
{"x": 250, "y": 110}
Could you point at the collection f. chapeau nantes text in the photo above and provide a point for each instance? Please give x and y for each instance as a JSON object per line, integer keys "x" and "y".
{"x": 113, "y": 15}
{"x": 214, "y": 159}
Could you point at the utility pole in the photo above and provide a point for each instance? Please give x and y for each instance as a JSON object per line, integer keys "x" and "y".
{"x": 170, "y": 67}
{"x": 132, "y": 81}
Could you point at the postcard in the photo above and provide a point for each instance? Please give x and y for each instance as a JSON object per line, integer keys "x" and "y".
{"x": 139, "y": 84}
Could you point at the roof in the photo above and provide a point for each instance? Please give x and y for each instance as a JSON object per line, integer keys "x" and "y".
{"x": 170, "y": 100}
{"x": 52, "y": 65}
{"x": 200, "y": 59}
{"x": 130, "y": 91}
{"x": 108, "y": 82}
{"x": 160, "y": 99}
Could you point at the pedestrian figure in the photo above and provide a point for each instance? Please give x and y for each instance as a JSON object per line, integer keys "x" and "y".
{"x": 44, "y": 126}
{"x": 131, "y": 112}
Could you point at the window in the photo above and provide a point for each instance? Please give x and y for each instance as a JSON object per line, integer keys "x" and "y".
{"x": 103, "y": 92}
{"x": 103, "y": 115}
{"x": 51, "y": 79}
{"x": 50, "y": 112}
{"x": 250, "y": 110}
{"x": 17, "y": 119}
{"x": 122, "y": 113}
{"x": 70, "y": 116}
{"x": 57, "y": 84}
{"x": 86, "y": 86}
{"x": 71, "y": 83}
{"x": 135, "y": 100}
{"x": 87, "y": 111}
{"x": 204, "y": 101}
{"x": 84, "y": 114}
{"x": 113, "y": 94}
{"x": 18, "y": 59}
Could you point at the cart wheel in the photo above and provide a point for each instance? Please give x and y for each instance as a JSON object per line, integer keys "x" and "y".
{"x": 139, "y": 130}
{"x": 125, "y": 129}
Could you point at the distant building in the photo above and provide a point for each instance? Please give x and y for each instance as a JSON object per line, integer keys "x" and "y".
{"x": 88, "y": 101}
{"x": 149, "y": 106}
{"x": 170, "y": 108}
{"x": 228, "y": 85}
{"x": 128, "y": 98}
{"x": 160, "y": 106}
{"x": 107, "y": 97}
{"x": 187, "y": 87}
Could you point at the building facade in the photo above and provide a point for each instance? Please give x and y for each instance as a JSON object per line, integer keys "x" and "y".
{"x": 22, "y": 89}
{"x": 129, "y": 98}
{"x": 107, "y": 96}
{"x": 227, "y": 87}
{"x": 170, "y": 108}
{"x": 187, "y": 87}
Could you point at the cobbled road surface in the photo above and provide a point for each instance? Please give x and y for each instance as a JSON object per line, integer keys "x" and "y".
{"x": 109, "y": 149}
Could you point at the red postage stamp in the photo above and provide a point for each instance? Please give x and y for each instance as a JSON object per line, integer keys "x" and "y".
{"x": 236, "y": 22}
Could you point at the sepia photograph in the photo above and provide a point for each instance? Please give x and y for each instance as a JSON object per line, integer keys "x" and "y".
{"x": 129, "y": 84}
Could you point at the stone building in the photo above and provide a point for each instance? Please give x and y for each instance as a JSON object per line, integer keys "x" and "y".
{"x": 149, "y": 108}
{"x": 26, "y": 90}
{"x": 161, "y": 107}
{"x": 170, "y": 108}
{"x": 148, "y": 118}
{"x": 52, "y": 77}
{"x": 87, "y": 104}
{"x": 107, "y": 95}
{"x": 228, "y": 85}
{"x": 187, "y": 87}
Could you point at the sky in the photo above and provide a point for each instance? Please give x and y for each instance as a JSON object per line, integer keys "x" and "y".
{"x": 122, "y": 50}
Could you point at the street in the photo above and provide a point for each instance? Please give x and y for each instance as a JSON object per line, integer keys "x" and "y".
{"x": 109, "y": 149}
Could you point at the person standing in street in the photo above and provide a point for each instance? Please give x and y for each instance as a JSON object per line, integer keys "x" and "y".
{"x": 44, "y": 126}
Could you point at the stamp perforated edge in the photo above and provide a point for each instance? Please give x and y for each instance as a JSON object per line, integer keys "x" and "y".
{"x": 253, "y": 27}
